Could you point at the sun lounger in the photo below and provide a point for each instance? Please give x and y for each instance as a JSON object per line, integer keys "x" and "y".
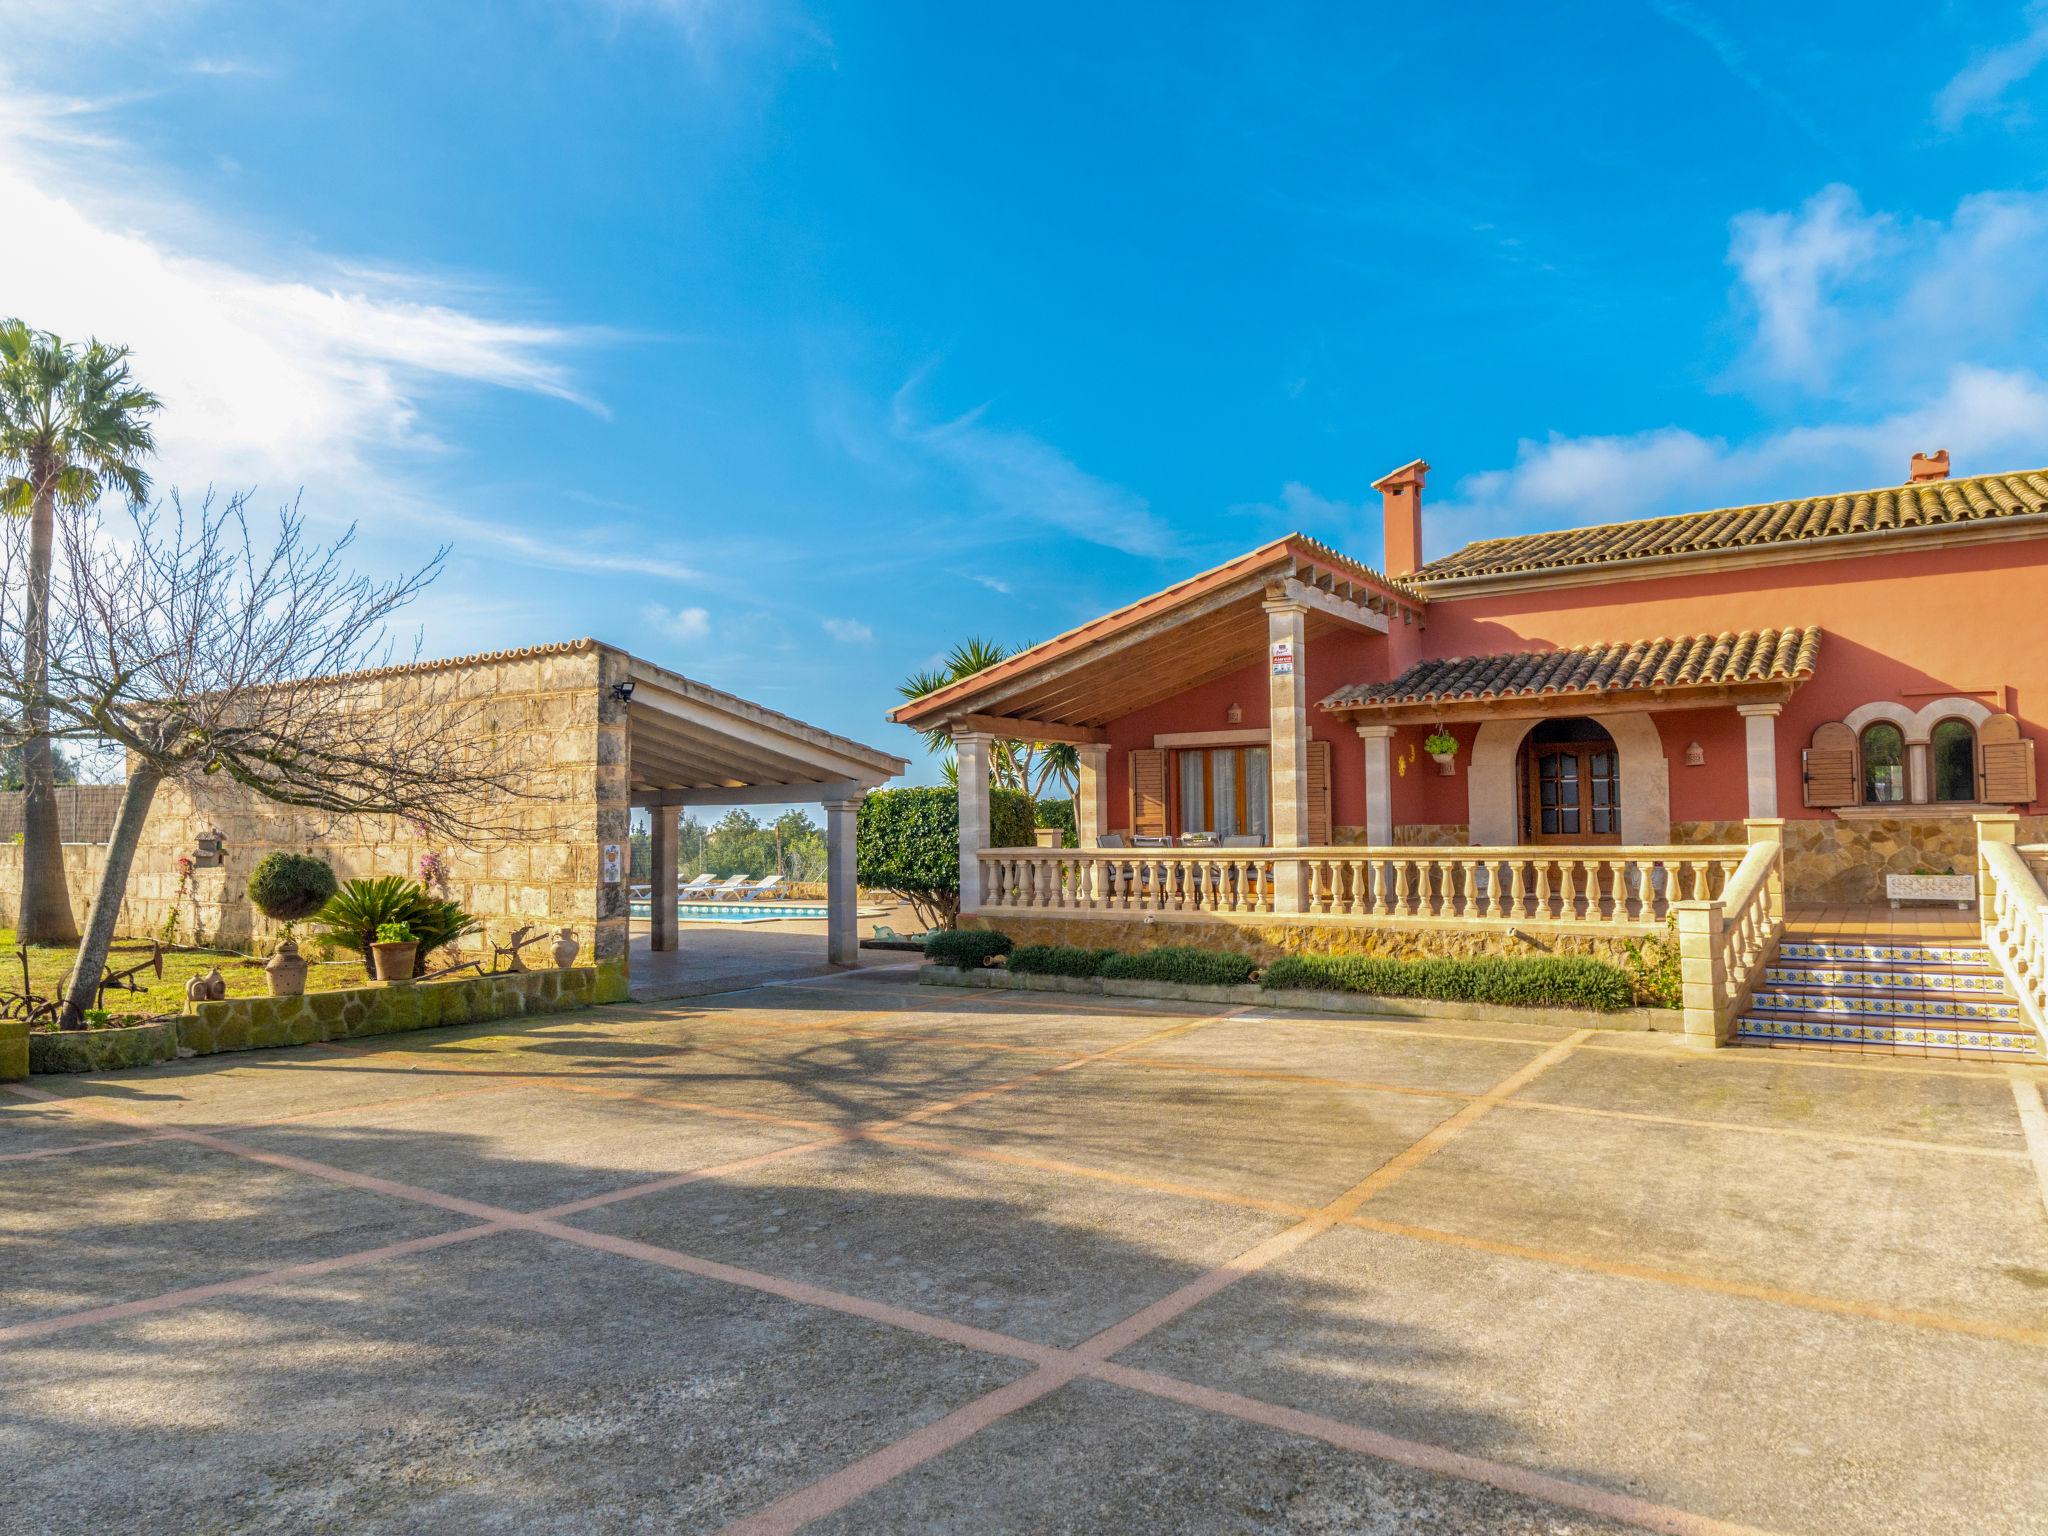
{"x": 698, "y": 886}
{"x": 768, "y": 885}
{"x": 728, "y": 889}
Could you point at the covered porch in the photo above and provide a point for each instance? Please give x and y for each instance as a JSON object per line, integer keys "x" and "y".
{"x": 689, "y": 745}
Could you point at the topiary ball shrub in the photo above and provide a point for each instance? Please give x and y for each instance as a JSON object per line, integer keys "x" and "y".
{"x": 286, "y": 887}
{"x": 968, "y": 948}
{"x": 1057, "y": 960}
{"x": 1177, "y": 963}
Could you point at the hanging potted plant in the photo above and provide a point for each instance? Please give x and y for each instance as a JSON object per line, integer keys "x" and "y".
{"x": 392, "y": 951}
{"x": 1442, "y": 746}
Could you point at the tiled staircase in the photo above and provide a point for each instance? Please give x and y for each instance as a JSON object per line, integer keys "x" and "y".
{"x": 1941, "y": 998}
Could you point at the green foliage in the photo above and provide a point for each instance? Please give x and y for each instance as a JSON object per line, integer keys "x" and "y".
{"x": 1530, "y": 981}
{"x": 396, "y": 933}
{"x": 1178, "y": 963}
{"x": 1057, "y": 813}
{"x": 285, "y": 887}
{"x": 1009, "y": 819}
{"x": 1027, "y": 765}
{"x": 968, "y": 948}
{"x": 1057, "y": 960}
{"x": 1439, "y": 741}
{"x": 361, "y": 910}
{"x": 1652, "y": 969}
{"x": 909, "y": 845}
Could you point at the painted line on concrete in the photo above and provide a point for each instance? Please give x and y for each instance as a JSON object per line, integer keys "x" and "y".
{"x": 43, "y": 1327}
{"x": 832, "y": 1493}
{"x": 1802, "y": 1056}
{"x": 1418, "y": 1028}
{"x": 2026, "y": 1097}
{"x": 1801, "y": 1133}
{"x": 1423, "y": 1457}
{"x": 1868, "y": 1311}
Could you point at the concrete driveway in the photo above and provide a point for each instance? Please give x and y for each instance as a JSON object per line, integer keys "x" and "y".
{"x": 856, "y": 1256}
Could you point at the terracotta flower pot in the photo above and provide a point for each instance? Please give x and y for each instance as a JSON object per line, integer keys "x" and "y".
{"x": 286, "y": 971}
{"x": 565, "y": 948}
{"x": 394, "y": 961}
{"x": 1445, "y": 762}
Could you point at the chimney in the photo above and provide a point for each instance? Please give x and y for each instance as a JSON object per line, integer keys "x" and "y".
{"x": 1928, "y": 466}
{"x": 1401, "y": 494}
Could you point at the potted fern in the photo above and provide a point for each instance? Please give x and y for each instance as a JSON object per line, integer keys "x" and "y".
{"x": 1443, "y": 747}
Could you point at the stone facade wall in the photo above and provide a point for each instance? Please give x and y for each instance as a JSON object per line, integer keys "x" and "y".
{"x": 82, "y": 865}
{"x": 1419, "y": 835}
{"x": 552, "y": 709}
{"x": 1842, "y": 860}
{"x": 1269, "y": 939}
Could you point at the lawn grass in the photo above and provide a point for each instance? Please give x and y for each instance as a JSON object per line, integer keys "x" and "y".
{"x": 48, "y": 965}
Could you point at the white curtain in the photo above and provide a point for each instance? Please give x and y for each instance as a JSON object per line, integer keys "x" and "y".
{"x": 1223, "y": 782}
{"x": 1258, "y": 793}
{"x": 1191, "y": 817}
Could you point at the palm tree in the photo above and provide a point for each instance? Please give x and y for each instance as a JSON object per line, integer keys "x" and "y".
{"x": 73, "y": 425}
{"x": 1025, "y": 765}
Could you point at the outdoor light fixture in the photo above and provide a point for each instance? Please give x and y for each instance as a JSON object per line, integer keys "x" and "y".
{"x": 1234, "y": 715}
{"x": 623, "y": 692}
{"x": 1695, "y": 755}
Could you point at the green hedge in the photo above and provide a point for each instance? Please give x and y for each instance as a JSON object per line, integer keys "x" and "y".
{"x": 1009, "y": 819}
{"x": 1058, "y": 813}
{"x": 968, "y": 948}
{"x": 1190, "y": 967}
{"x": 1057, "y": 960}
{"x": 1533, "y": 981}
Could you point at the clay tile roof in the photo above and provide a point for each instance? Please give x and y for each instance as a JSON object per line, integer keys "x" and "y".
{"x": 1811, "y": 520}
{"x": 1691, "y": 661}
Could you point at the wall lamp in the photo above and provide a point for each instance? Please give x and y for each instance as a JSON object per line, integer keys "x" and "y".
{"x": 623, "y": 692}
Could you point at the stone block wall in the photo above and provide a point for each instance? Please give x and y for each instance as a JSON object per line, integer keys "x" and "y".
{"x": 82, "y": 865}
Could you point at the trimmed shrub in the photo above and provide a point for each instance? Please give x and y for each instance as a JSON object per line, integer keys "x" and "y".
{"x": 968, "y": 948}
{"x": 286, "y": 887}
{"x": 1529, "y": 981}
{"x": 1178, "y": 963}
{"x": 1009, "y": 819}
{"x": 1057, "y": 960}
{"x": 1058, "y": 813}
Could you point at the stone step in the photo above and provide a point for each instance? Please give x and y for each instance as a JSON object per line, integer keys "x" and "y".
{"x": 1890, "y": 978}
{"x": 1837, "y": 951}
{"x": 1933, "y": 1037}
{"x": 1878, "y": 1006}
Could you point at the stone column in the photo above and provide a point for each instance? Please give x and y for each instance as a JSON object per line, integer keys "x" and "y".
{"x": 1996, "y": 827}
{"x": 1091, "y": 796}
{"x": 1287, "y": 695}
{"x": 1771, "y": 829}
{"x": 1379, "y": 784}
{"x": 1760, "y": 731}
{"x": 1703, "y": 982}
{"x": 661, "y": 914}
{"x": 970, "y": 750}
{"x": 842, "y": 896}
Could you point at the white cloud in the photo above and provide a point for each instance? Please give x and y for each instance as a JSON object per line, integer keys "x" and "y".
{"x": 1981, "y": 84}
{"x": 269, "y": 376}
{"x": 1989, "y": 419}
{"x": 1024, "y": 477}
{"x": 1792, "y": 265}
{"x": 677, "y": 623}
{"x": 991, "y": 582}
{"x": 849, "y": 631}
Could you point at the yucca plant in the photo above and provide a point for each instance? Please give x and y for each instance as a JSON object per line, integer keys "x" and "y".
{"x": 361, "y": 907}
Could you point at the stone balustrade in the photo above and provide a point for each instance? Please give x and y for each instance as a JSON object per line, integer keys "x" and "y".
{"x": 1477, "y": 887}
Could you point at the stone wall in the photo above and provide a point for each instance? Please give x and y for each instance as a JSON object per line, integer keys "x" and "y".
{"x": 82, "y": 865}
{"x": 1269, "y": 939}
{"x": 259, "y": 1023}
{"x": 549, "y": 706}
{"x": 1842, "y": 860}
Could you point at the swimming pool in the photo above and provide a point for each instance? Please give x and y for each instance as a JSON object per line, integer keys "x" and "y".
{"x": 735, "y": 911}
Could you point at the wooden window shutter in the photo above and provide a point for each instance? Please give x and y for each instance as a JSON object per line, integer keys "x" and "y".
{"x": 2006, "y": 762}
{"x": 1830, "y": 766}
{"x": 1319, "y": 794}
{"x": 1148, "y": 792}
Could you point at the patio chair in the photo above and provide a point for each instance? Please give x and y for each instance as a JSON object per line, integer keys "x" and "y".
{"x": 727, "y": 889}
{"x": 1110, "y": 840}
{"x": 698, "y": 886}
{"x": 767, "y": 885}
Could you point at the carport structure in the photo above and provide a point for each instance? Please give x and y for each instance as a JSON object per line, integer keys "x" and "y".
{"x": 693, "y": 745}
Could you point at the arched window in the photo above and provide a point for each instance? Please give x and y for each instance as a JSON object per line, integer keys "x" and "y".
{"x": 1882, "y": 748}
{"x": 1953, "y": 750}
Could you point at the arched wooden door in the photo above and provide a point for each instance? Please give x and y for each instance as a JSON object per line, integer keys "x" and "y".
{"x": 1571, "y": 784}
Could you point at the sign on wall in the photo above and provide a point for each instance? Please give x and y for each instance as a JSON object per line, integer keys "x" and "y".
{"x": 1283, "y": 658}
{"x": 611, "y": 867}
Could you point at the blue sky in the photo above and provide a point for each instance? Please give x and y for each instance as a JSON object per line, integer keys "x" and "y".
{"x": 789, "y": 344}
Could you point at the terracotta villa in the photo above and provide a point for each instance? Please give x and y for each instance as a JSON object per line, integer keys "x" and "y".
{"x": 1702, "y": 720}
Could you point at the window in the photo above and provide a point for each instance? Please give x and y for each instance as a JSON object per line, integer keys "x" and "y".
{"x": 1226, "y": 792}
{"x": 1953, "y": 750}
{"x": 1882, "y": 749}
